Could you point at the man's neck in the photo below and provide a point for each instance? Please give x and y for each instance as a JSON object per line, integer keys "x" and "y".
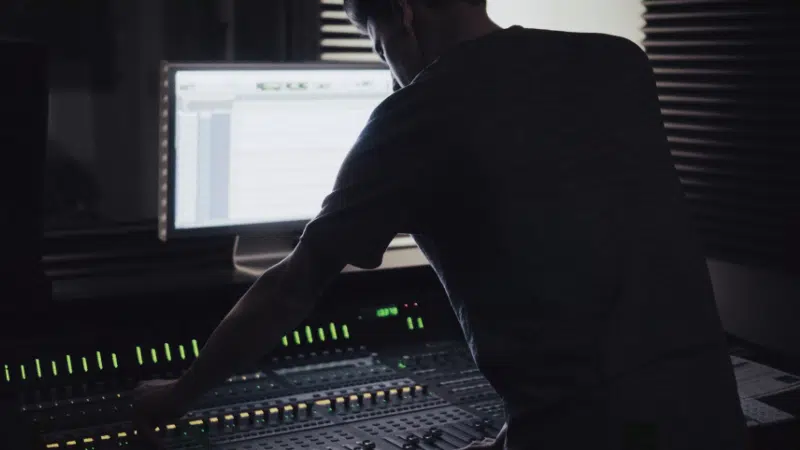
{"x": 457, "y": 26}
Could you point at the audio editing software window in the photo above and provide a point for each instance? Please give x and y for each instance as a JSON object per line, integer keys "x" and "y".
{"x": 265, "y": 146}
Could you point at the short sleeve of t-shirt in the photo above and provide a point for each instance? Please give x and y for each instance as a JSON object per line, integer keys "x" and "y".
{"x": 387, "y": 184}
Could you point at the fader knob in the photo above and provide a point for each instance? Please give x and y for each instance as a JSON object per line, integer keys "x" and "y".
{"x": 194, "y": 423}
{"x": 228, "y": 423}
{"x": 259, "y": 418}
{"x": 367, "y": 400}
{"x": 244, "y": 421}
{"x": 368, "y": 445}
{"x": 214, "y": 425}
{"x": 353, "y": 403}
{"x": 380, "y": 398}
{"x": 288, "y": 413}
{"x": 405, "y": 393}
{"x": 393, "y": 397}
{"x": 339, "y": 405}
{"x": 322, "y": 407}
{"x": 273, "y": 416}
{"x": 302, "y": 411}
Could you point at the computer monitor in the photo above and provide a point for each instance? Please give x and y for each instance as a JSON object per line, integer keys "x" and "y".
{"x": 255, "y": 148}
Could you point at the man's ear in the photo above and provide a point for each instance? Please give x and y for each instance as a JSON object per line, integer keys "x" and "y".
{"x": 406, "y": 15}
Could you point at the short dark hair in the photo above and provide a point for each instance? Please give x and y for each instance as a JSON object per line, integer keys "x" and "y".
{"x": 359, "y": 11}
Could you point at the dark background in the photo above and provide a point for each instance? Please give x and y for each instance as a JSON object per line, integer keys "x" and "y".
{"x": 726, "y": 70}
{"x": 104, "y": 59}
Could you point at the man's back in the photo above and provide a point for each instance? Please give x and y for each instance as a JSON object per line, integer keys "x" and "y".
{"x": 565, "y": 247}
{"x": 532, "y": 169}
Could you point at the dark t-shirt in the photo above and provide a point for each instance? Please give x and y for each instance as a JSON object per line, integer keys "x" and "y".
{"x": 533, "y": 170}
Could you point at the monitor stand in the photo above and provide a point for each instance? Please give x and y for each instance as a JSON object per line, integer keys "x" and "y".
{"x": 253, "y": 255}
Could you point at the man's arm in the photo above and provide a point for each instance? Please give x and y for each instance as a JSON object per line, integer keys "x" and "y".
{"x": 276, "y": 304}
{"x": 386, "y": 186}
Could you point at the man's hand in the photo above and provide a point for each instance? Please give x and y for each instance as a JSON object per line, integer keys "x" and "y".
{"x": 156, "y": 403}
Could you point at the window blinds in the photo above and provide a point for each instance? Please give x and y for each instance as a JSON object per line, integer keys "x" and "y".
{"x": 728, "y": 76}
{"x": 339, "y": 39}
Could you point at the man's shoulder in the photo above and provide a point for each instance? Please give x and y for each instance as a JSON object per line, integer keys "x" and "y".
{"x": 601, "y": 42}
{"x": 427, "y": 98}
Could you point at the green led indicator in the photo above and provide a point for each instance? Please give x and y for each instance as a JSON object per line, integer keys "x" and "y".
{"x": 114, "y": 360}
{"x": 182, "y": 351}
{"x": 410, "y": 323}
{"x": 154, "y": 355}
{"x": 23, "y": 372}
{"x": 296, "y": 338}
{"x": 285, "y": 341}
{"x": 99, "y": 361}
{"x": 195, "y": 348}
{"x": 321, "y": 334}
{"x": 334, "y": 335}
{"x": 401, "y": 365}
{"x": 54, "y": 367}
{"x": 69, "y": 364}
{"x": 8, "y": 374}
{"x": 85, "y": 364}
{"x": 168, "y": 352}
{"x": 420, "y": 325}
{"x": 38, "y": 369}
{"x": 139, "y": 355}
{"x": 389, "y": 311}
{"x": 345, "y": 332}
{"x": 309, "y": 335}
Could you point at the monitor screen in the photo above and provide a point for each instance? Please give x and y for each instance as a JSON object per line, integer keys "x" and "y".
{"x": 254, "y": 146}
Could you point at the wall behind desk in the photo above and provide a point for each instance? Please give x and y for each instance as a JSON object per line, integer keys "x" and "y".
{"x": 759, "y": 305}
{"x": 617, "y": 17}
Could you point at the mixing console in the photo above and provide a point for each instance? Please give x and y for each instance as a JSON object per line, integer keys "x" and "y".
{"x": 387, "y": 376}
{"x": 348, "y": 399}
{"x": 341, "y": 383}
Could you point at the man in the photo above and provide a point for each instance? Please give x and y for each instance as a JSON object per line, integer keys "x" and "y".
{"x": 532, "y": 168}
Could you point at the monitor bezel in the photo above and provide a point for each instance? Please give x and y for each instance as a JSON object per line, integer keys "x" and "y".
{"x": 167, "y": 151}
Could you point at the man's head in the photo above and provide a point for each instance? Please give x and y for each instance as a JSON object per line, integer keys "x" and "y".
{"x": 410, "y": 34}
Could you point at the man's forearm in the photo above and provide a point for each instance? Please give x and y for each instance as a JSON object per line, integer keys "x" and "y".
{"x": 272, "y": 307}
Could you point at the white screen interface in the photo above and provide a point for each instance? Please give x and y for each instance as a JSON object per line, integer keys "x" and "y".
{"x": 265, "y": 146}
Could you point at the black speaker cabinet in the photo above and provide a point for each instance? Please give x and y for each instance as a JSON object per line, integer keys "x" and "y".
{"x": 23, "y": 139}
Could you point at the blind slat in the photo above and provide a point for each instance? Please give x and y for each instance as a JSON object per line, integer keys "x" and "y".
{"x": 725, "y": 72}
{"x": 340, "y": 40}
